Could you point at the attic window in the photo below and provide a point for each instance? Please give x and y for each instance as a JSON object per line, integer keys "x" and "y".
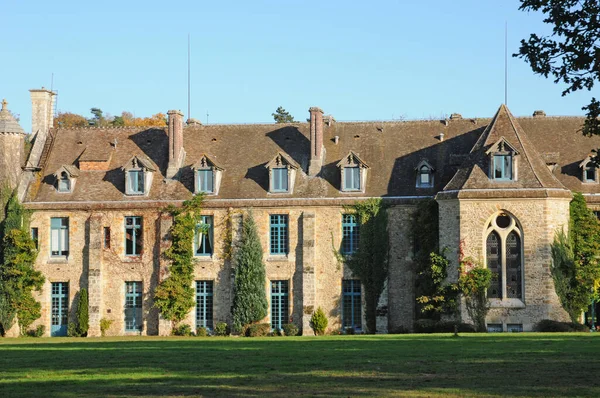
{"x": 207, "y": 176}
{"x": 424, "y": 175}
{"x": 589, "y": 174}
{"x": 138, "y": 175}
{"x": 64, "y": 183}
{"x": 503, "y": 161}
{"x": 282, "y": 174}
{"x": 136, "y": 182}
{"x": 353, "y": 173}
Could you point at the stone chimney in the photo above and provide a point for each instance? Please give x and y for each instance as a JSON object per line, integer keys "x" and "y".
{"x": 11, "y": 147}
{"x": 42, "y": 110}
{"x": 176, "y": 151}
{"x": 316, "y": 140}
{"x": 539, "y": 113}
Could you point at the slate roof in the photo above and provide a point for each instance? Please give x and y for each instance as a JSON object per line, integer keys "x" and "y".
{"x": 8, "y": 124}
{"x": 391, "y": 149}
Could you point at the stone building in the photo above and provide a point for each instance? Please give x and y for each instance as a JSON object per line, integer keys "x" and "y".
{"x": 99, "y": 196}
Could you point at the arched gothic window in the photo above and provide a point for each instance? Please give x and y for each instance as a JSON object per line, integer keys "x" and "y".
{"x": 504, "y": 246}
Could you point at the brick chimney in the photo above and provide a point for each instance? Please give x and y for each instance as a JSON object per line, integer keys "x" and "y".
{"x": 42, "y": 110}
{"x": 176, "y": 151}
{"x": 316, "y": 140}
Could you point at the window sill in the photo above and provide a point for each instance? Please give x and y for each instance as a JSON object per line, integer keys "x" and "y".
{"x": 278, "y": 257}
{"x": 205, "y": 258}
{"x": 352, "y": 191}
{"x": 132, "y": 258}
{"x": 58, "y": 260}
{"x": 506, "y": 303}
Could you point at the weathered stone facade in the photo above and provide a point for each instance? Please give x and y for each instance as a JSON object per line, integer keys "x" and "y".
{"x": 460, "y": 178}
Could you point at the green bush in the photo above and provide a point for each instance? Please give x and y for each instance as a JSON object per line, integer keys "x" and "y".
{"x": 37, "y": 332}
{"x": 290, "y": 329}
{"x": 318, "y": 322}
{"x": 72, "y": 330}
{"x": 105, "y": 325}
{"x": 258, "y": 330}
{"x": 547, "y": 325}
{"x": 83, "y": 316}
{"x": 349, "y": 330}
{"x": 221, "y": 329}
{"x": 201, "y": 331}
{"x": 182, "y": 330}
{"x": 276, "y": 333}
{"x": 432, "y": 326}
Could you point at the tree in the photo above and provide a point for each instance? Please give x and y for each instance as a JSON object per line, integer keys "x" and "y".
{"x": 69, "y": 120}
{"x": 18, "y": 277}
{"x": 370, "y": 261}
{"x": 83, "y": 316}
{"x": 98, "y": 119}
{"x": 250, "y": 300}
{"x": 571, "y": 54}
{"x": 174, "y": 296}
{"x": 127, "y": 119}
{"x": 282, "y": 116}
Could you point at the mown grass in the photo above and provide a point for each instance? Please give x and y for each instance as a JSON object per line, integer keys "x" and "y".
{"x": 514, "y": 365}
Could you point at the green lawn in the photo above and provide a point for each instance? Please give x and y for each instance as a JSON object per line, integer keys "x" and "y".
{"x": 395, "y": 365}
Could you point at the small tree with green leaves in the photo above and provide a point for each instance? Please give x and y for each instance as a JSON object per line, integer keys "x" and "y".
{"x": 250, "y": 300}
{"x": 282, "y": 116}
{"x": 474, "y": 282}
{"x": 174, "y": 296}
{"x": 440, "y": 297}
{"x": 370, "y": 261}
{"x": 83, "y": 316}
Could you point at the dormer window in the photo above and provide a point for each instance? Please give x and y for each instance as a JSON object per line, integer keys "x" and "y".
{"x": 138, "y": 175}
{"x": 65, "y": 178}
{"x": 503, "y": 161}
{"x": 424, "y": 175}
{"x": 207, "y": 176}
{"x": 353, "y": 173}
{"x": 282, "y": 174}
{"x": 589, "y": 171}
{"x": 64, "y": 182}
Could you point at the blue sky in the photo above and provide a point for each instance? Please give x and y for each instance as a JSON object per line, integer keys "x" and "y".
{"x": 356, "y": 60}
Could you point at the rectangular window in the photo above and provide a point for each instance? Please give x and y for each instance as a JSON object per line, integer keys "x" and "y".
{"x": 351, "y": 304}
{"x": 514, "y": 327}
{"x": 350, "y": 233}
{"x": 133, "y": 306}
{"x": 203, "y": 238}
{"x": 107, "y": 237}
{"x": 204, "y": 304}
{"x": 133, "y": 236}
{"x": 59, "y": 236}
{"x": 279, "y": 304}
{"x": 351, "y": 179}
{"x": 503, "y": 167}
{"x": 494, "y": 328}
{"x": 64, "y": 183}
{"x": 279, "y": 234}
{"x": 590, "y": 174}
{"x": 35, "y": 236}
{"x": 60, "y": 308}
{"x": 136, "y": 181}
{"x": 206, "y": 181}
{"x": 280, "y": 179}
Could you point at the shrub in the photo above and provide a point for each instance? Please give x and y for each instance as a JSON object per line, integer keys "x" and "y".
{"x": 105, "y": 325}
{"x": 432, "y": 326}
{"x": 276, "y": 333}
{"x": 72, "y": 330}
{"x": 349, "y": 330}
{"x": 221, "y": 329}
{"x": 258, "y": 330}
{"x": 318, "y": 322}
{"x": 548, "y": 325}
{"x": 83, "y": 317}
{"x": 201, "y": 331}
{"x": 37, "y": 332}
{"x": 182, "y": 330}
{"x": 290, "y": 329}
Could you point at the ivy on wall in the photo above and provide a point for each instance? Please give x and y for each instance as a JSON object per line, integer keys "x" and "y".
{"x": 174, "y": 296}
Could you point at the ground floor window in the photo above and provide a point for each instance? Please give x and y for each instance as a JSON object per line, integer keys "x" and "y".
{"x": 204, "y": 304}
{"x": 351, "y": 304}
{"x": 133, "y": 306}
{"x": 279, "y": 304}
{"x": 60, "y": 308}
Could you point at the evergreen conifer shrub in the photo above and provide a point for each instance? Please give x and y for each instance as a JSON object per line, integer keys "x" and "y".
{"x": 83, "y": 317}
{"x": 318, "y": 321}
{"x": 250, "y": 299}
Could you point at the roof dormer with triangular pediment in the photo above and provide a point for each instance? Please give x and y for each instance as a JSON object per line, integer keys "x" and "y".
{"x": 207, "y": 176}
{"x": 139, "y": 172}
{"x": 353, "y": 173}
{"x": 282, "y": 174}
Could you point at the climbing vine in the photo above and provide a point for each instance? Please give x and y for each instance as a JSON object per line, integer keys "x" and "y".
{"x": 174, "y": 296}
{"x": 370, "y": 262}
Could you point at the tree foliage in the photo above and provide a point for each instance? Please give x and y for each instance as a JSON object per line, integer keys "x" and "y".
{"x": 127, "y": 119}
{"x": 83, "y": 315}
{"x": 576, "y": 265}
{"x": 282, "y": 116}
{"x": 474, "y": 282}
{"x": 69, "y": 120}
{"x": 370, "y": 261}
{"x": 438, "y": 296}
{"x": 18, "y": 277}
{"x": 174, "y": 296}
{"x": 250, "y": 300}
{"x": 571, "y": 54}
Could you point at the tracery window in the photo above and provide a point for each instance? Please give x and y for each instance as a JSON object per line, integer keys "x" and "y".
{"x": 504, "y": 257}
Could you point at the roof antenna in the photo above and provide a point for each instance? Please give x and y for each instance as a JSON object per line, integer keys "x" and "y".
{"x": 207, "y": 116}
{"x": 189, "y": 115}
{"x": 505, "y": 63}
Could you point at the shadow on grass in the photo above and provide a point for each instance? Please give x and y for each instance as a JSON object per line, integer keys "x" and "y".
{"x": 523, "y": 365}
